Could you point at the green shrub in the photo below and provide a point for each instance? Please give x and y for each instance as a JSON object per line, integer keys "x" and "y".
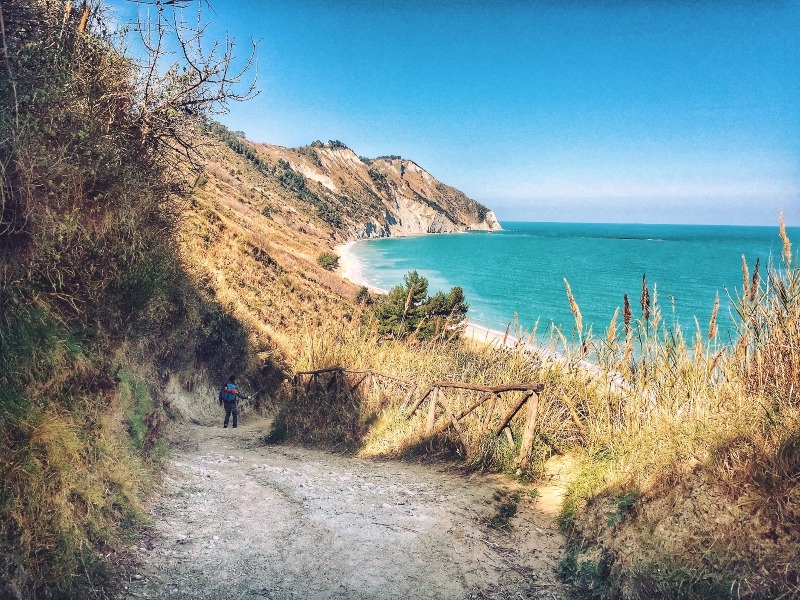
{"x": 363, "y": 296}
{"x": 328, "y": 260}
{"x": 407, "y": 309}
{"x": 329, "y": 214}
{"x": 589, "y": 578}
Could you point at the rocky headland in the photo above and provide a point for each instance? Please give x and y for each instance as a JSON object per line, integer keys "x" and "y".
{"x": 354, "y": 197}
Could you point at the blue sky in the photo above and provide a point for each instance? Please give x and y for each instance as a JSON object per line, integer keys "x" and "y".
{"x": 682, "y": 112}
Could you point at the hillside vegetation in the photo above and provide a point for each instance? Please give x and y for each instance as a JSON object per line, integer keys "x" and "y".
{"x": 96, "y": 306}
{"x": 353, "y": 197}
{"x": 127, "y": 270}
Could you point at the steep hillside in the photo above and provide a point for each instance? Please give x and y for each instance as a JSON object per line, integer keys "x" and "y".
{"x": 131, "y": 283}
{"x": 257, "y": 259}
{"x": 345, "y": 196}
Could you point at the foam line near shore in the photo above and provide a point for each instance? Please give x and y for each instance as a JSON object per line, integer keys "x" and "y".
{"x": 485, "y": 335}
{"x": 352, "y": 269}
{"x": 492, "y": 337}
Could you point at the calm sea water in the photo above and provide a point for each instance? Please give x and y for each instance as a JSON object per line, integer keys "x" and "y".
{"x": 521, "y": 270}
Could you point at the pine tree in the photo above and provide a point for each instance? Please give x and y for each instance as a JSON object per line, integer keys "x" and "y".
{"x": 408, "y": 309}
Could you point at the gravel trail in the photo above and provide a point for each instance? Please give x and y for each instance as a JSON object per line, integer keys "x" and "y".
{"x": 238, "y": 519}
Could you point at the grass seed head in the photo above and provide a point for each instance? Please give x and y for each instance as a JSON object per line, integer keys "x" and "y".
{"x": 712, "y": 326}
{"x": 626, "y": 314}
{"x": 787, "y": 245}
{"x": 573, "y": 306}
{"x": 745, "y": 277}
{"x": 754, "y": 285}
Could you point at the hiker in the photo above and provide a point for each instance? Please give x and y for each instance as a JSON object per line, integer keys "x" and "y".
{"x": 229, "y": 396}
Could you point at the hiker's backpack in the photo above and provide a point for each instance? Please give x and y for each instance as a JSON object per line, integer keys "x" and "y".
{"x": 229, "y": 393}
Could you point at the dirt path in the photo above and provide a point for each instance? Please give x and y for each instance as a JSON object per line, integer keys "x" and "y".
{"x": 238, "y": 519}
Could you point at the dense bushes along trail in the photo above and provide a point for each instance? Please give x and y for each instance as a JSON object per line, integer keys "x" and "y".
{"x": 238, "y": 519}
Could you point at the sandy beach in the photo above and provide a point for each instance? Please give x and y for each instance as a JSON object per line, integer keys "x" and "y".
{"x": 351, "y": 269}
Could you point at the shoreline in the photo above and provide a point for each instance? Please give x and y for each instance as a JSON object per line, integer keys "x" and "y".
{"x": 352, "y": 270}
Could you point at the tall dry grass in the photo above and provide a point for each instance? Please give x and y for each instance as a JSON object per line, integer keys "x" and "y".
{"x": 693, "y": 444}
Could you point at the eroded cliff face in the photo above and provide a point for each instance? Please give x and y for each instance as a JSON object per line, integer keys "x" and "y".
{"x": 367, "y": 198}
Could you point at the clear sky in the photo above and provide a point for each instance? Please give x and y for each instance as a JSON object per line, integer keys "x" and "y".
{"x": 681, "y": 112}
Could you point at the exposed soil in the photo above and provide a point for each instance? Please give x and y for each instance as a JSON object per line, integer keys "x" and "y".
{"x": 238, "y": 519}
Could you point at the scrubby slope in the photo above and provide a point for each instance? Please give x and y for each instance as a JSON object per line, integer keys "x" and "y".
{"x": 353, "y": 197}
{"x": 96, "y": 308}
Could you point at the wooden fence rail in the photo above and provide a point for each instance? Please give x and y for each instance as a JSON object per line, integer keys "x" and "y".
{"x": 339, "y": 380}
{"x": 436, "y": 394}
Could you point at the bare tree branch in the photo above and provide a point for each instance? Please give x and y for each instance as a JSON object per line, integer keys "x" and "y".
{"x": 183, "y": 78}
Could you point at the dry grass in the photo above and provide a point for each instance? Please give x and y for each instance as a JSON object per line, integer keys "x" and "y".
{"x": 704, "y": 438}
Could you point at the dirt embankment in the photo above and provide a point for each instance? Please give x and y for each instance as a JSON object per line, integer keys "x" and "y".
{"x": 237, "y": 519}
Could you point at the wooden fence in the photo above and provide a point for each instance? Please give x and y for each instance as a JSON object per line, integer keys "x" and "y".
{"x": 335, "y": 379}
{"x": 437, "y": 395}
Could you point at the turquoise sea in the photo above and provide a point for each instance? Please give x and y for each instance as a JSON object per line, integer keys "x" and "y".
{"x": 521, "y": 270}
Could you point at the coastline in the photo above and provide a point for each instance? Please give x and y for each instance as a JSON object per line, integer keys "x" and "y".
{"x": 351, "y": 269}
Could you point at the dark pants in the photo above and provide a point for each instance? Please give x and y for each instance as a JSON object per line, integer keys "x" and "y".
{"x": 231, "y": 408}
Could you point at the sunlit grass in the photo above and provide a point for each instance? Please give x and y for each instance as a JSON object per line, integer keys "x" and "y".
{"x": 646, "y": 408}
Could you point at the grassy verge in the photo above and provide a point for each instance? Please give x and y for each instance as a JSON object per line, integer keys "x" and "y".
{"x": 94, "y": 299}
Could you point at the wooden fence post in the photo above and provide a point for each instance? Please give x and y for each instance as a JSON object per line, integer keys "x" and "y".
{"x": 410, "y": 395}
{"x": 348, "y": 389}
{"x": 512, "y": 413}
{"x": 509, "y": 436}
{"x": 432, "y": 412}
{"x": 489, "y": 412}
{"x": 454, "y": 421}
{"x": 526, "y": 447}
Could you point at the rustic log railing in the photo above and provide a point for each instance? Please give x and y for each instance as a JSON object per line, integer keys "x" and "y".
{"x": 436, "y": 393}
{"x": 337, "y": 378}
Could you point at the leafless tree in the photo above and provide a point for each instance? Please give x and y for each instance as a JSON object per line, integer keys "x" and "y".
{"x": 183, "y": 77}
